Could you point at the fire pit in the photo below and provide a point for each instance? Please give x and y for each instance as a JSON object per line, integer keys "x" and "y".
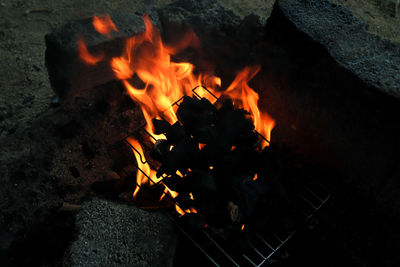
{"x": 207, "y": 153}
{"x": 236, "y": 131}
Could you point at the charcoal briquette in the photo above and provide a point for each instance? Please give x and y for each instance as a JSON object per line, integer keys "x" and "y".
{"x": 181, "y": 156}
{"x": 160, "y": 150}
{"x": 176, "y": 133}
{"x": 160, "y": 126}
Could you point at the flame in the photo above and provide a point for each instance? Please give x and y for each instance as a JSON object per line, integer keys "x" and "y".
{"x": 255, "y": 177}
{"x": 85, "y": 55}
{"x": 146, "y": 58}
{"x": 104, "y": 25}
{"x": 165, "y": 81}
{"x": 245, "y": 97}
{"x": 242, "y": 228}
{"x": 143, "y": 168}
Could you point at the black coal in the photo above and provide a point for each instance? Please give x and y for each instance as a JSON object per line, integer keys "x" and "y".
{"x": 221, "y": 174}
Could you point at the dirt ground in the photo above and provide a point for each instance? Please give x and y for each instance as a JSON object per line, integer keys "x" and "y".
{"x": 25, "y": 89}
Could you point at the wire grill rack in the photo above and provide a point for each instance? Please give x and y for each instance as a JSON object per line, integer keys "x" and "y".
{"x": 262, "y": 246}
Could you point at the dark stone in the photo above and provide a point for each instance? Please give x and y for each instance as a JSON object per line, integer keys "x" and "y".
{"x": 373, "y": 60}
{"x": 28, "y": 99}
{"x": 69, "y": 76}
{"x": 205, "y": 17}
{"x": 113, "y": 234}
{"x": 327, "y": 84}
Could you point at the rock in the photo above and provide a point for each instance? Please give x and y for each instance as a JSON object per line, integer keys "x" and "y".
{"x": 333, "y": 90}
{"x": 374, "y": 60}
{"x": 205, "y": 17}
{"x": 226, "y": 41}
{"x": 69, "y": 76}
{"x": 113, "y": 234}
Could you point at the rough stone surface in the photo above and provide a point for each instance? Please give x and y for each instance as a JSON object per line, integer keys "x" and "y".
{"x": 374, "y": 60}
{"x": 69, "y": 75}
{"x": 204, "y": 16}
{"x": 111, "y": 234}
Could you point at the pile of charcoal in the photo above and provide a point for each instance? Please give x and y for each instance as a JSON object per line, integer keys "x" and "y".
{"x": 223, "y": 172}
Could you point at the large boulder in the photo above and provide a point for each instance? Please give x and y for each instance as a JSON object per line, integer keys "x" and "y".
{"x": 69, "y": 76}
{"x": 112, "y": 234}
{"x": 376, "y": 61}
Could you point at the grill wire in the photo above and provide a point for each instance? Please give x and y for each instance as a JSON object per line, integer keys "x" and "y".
{"x": 263, "y": 246}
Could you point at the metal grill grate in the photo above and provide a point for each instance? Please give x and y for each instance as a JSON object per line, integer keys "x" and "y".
{"x": 262, "y": 246}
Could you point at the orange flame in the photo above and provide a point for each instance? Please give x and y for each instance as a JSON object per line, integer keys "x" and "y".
{"x": 141, "y": 178}
{"x": 245, "y": 97}
{"x": 85, "y": 55}
{"x": 144, "y": 169}
{"x": 147, "y": 58}
{"x": 104, "y": 25}
{"x": 165, "y": 81}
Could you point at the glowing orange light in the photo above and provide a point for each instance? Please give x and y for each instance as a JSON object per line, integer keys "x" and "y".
{"x": 245, "y": 97}
{"x": 148, "y": 59}
{"x": 104, "y": 25}
{"x": 165, "y": 81}
{"x": 85, "y": 55}
{"x": 143, "y": 168}
{"x": 255, "y": 177}
{"x": 241, "y": 229}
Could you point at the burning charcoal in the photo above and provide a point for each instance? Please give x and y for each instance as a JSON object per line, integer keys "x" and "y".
{"x": 192, "y": 221}
{"x": 161, "y": 126}
{"x": 224, "y": 104}
{"x": 176, "y": 133}
{"x": 184, "y": 201}
{"x": 201, "y": 180}
{"x": 233, "y": 127}
{"x": 247, "y": 193}
{"x": 175, "y": 183}
{"x": 205, "y": 134}
{"x": 182, "y": 155}
{"x": 160, "y": 150}
{"x": 195, "y": 114}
